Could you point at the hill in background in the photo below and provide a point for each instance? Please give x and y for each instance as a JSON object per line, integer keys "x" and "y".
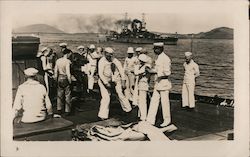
{"x": 217, "y": 33}
{"x": 37, "y": 28}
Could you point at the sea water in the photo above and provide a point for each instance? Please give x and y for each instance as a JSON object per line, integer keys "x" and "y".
{"x": 214, "y": 56}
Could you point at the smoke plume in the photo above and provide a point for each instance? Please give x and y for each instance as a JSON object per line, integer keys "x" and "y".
{"x": 89, "y": 23}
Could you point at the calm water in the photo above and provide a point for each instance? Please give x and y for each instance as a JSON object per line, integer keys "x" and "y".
{"x": 214, "y": 56}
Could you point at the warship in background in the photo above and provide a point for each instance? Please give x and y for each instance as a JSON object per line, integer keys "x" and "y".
{"x": 138, "y": 34}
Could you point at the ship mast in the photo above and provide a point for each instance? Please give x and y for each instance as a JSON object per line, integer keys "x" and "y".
{"x": 125, "y": 24}
{"x": 143, "y": 26}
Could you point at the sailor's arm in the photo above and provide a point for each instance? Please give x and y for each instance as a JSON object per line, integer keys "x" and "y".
{"x": 196, "y": 70}
{"x": 139, "y": 70}
{"x": 48, "y": 104}
{"x": 120, "y": 69}
{"x": 68, "y": 72}
{"x": 17, "y": 102}
{"x": 101, "y": 71}
{"x": 125, "y": 65}
{"x": 43, "y": 59}
{"x": 167, "y": 68}
{"x": 56, "y": 71}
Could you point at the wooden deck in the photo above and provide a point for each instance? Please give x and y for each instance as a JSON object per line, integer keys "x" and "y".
{"x": 206, "y": 122}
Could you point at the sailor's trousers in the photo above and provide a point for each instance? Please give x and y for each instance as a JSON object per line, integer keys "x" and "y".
{"x": 154, "y": 104}
{"x": 63, "y": 94}
{"x": 105, "y": 101}
{"x": 91, "y": 79}
{"x": 143, "y": 104}
{"x": 188, "y": 95}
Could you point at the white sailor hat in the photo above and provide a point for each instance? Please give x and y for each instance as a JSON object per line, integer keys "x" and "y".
{"x": 44, "y": 49}
{"x": 80, "y": 47}
{"x": 188, "y": 54}
{"x": 109, "y": 50}
{"x": 63, "y": 44}
{"x": 39, "y": 54}
{"x": 92, "y": 46}
{"x": 159, "y": 44}
{"x": 130, "y": 50}
{"x": 138, "y": 49}
{"x": 143, "y": 57}
{"x": 30, "y": 72}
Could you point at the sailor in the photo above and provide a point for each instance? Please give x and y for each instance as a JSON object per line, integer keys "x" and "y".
{"x": 135, "y": 98}
{"x": 149, "y": 59}
{"x": 138, "y": 51}
{"x": 65, "y": 50}
{"x": 191, "y": 72}
{"x": 79, "y": 60}
{"x": 92, "y": 66}
{"x": 63, "y": 76}
{"x": 161, "y": 87}
{"x": 129, "y": 66}
{"x": 99, "y": 51}
{"x": 32, "y": 99}
{"x": 111, "y": 79}
{"x": 141, "y": 70}
{"x": 47, "y": 58}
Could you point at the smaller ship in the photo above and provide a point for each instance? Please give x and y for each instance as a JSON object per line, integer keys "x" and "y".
{"x": 138, "y": 34}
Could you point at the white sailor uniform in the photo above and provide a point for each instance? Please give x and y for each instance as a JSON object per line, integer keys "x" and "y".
{"x": 106, "y": 76}
{"x": 161, "y": 90}
{"x": 191, "y": 72}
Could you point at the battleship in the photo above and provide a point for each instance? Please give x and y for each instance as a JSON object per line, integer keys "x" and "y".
{"x": 138, "y": 34}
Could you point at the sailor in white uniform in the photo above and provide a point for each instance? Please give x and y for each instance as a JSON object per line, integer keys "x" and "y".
{"x": 111, "y": 79}
{"x": 143, "y": 85}
{"x": 138, "y": 51}
{"x": 149, "y": 59}
{"x": 32, "y": 98}
{"x": 161, "y": 88}
{"x": 92, "y": 66}
{"x": 191, "y": 72}
{"x": 129, "y": 66}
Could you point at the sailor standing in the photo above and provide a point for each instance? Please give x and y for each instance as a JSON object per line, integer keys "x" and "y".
{"x": 111, "y": 79}
{"x": 93, "y": 56}
{"x": 63, "y": 76}
{"x": 161, "y": 88}
{"x": 78, "y": 60}
{"x": 47, "y": 60}
{"x": 65, "y": 50}
{"x": 135, "y": 98}
{"x": 149, "y": 59}
{"x": 143, "y": 85}
{"x": 129, "y": 66}
{"x": 32, "y": 98}
{"x": 191, "y": 72}
{"x": 138, "y": 51}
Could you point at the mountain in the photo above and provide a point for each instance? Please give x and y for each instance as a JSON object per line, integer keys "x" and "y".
{"x": 37, "y": 28}
{"x": 217, "y": 33}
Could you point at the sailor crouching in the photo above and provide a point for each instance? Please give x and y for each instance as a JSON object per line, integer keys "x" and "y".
{"x": 161, "y": 87}
{"x": 32, "y": 98}
{"x": 111, "y": 78}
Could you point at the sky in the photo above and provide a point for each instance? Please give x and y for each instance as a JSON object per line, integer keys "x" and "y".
{"x": 159, "y": 22}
